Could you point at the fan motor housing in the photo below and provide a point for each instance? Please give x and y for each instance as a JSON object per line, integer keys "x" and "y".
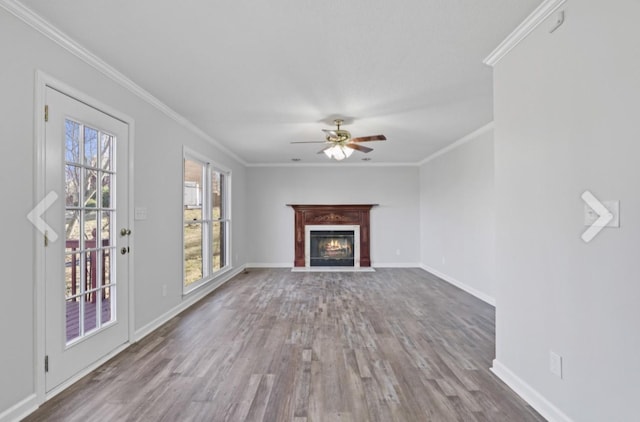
{"x": 342, "y": 136}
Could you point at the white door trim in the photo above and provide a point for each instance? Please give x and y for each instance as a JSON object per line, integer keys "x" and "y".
{"x": 42, "y": 81}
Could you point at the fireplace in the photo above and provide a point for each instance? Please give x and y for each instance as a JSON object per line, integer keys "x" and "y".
{"x": 332, "y": 236}
{"x": 332, "y": 246}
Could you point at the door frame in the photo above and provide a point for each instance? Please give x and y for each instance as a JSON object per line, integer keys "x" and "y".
{"x": 42, "y": 81}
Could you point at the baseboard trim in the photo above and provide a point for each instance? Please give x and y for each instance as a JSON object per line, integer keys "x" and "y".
{"x": 529, "y": 394}
{"x": 395, "y": 265}
{"x": 270, "y": 265}
{"x": 189, "y": 301}
{"x": 20, "y": 410}
{"x": 474, "y": 292}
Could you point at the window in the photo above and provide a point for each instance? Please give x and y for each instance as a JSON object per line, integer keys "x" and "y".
{"x": 205, "y": 221}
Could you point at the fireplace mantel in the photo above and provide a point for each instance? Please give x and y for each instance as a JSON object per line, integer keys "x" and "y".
{"x": 331, "y": 215}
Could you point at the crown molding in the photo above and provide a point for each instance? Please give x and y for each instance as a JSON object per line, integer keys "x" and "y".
{"x": 538, "y": 16}
{"x": 469, "y": 137}
{"x": 41, "y": 25}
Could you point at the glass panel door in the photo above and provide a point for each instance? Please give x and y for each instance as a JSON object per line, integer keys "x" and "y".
{"x": 87, "y": 261}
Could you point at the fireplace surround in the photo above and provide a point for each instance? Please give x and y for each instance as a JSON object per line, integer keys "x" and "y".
{"x": 332, "y": 218}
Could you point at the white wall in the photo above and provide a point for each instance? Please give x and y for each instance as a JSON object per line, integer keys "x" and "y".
{"x": 457, "y": 215}
{"x": 158, "y": 178}
{"x": 394, "y": 223}
{"x": 567, "y": 108}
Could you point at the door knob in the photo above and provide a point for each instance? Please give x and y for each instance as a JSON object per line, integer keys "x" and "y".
{"x": 125, "y": 232}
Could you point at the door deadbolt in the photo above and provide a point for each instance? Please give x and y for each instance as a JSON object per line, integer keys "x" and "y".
{"x": 124, "y": 250}
{"x": 125, "y": 232}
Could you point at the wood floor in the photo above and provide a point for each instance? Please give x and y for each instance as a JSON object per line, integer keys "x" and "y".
{"x": 274, "y": 345}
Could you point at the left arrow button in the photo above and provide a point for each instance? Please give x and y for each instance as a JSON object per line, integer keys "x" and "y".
{"x": 35, "y": 216}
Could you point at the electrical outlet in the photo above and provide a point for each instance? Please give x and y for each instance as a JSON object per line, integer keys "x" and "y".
{"x": 398, "y": 252}
{"x": 444, "y": 261}
{"x": 555, "y": 364}
{"x": 164, "y": 290}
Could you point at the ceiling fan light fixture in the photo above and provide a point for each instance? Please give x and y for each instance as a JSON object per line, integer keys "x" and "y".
{"x": 338, "y": 152}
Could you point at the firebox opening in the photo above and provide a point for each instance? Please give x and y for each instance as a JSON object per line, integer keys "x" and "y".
{"x": 331, "y": 248}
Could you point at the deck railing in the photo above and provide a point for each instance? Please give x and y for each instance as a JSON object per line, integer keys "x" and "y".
{"x": 91, "y": 266}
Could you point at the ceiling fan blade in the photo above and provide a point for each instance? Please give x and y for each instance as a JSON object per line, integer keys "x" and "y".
{"x": 370, "y": 138}
{"x": 360, "y": 148}
{"x": 308, "y": 142}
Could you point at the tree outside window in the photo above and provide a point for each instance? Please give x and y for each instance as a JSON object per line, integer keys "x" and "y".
{"x": 205, "y": 221}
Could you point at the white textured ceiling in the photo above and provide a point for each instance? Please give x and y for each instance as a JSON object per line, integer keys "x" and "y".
{"x": 255, "y": 75}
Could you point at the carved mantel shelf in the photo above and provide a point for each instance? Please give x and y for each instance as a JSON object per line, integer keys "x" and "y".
{"x": 357, "y": 214}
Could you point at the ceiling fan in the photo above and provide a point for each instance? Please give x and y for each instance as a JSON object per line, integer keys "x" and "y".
{"x": 340, "y": 144}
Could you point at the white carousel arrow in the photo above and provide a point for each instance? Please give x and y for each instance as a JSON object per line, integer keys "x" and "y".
{"x": 604, "y": 216}
{"x": 35, "y": 216}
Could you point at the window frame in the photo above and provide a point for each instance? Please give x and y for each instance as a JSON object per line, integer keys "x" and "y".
{"x": 209, "y": 167}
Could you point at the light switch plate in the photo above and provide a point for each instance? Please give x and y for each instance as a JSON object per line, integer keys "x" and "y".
{"x": 140, "y": 213}
{"x": 555, "y": 364}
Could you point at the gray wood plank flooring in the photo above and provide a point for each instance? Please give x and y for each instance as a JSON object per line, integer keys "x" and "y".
{"x": 274, "y": 345}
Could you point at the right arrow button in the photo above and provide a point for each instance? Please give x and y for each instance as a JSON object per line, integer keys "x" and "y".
{"x": 604, "y": 216}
